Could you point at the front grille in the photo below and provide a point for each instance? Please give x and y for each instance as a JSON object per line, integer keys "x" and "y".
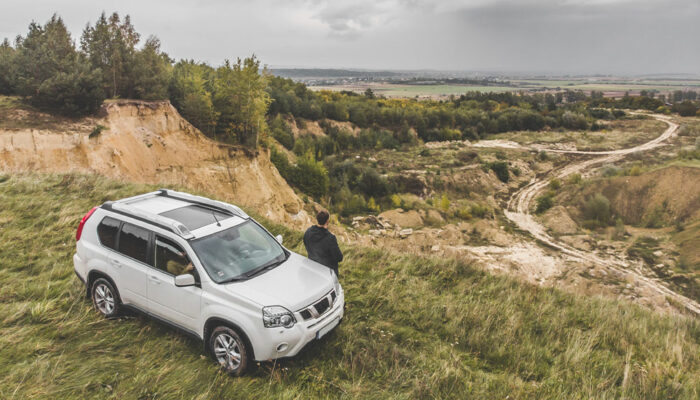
{"x": 320, "y": 307}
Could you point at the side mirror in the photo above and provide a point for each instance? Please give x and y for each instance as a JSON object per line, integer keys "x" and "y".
{"x": 279, "y": 238}
{"x": 184, "y": 280}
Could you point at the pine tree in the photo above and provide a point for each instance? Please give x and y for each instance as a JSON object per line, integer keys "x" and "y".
{"x": 111, "y": 46}
{"x": 52, "y": 74}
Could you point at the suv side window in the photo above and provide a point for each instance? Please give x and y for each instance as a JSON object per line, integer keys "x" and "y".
{"x": 170, "y": 258}
{"x": 133, "y": 242}
{"x": 107, "y": 231}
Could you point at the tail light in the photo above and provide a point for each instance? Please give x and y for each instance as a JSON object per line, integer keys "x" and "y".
{"x": 82, "y": 223}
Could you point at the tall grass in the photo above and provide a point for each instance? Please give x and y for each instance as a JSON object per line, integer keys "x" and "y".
{"x": 415, "y": 328}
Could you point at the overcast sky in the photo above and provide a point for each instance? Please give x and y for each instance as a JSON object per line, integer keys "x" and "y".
{"x": 554, "y": 36}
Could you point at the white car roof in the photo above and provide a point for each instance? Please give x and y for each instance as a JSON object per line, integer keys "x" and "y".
{"x": 158, "y": 204}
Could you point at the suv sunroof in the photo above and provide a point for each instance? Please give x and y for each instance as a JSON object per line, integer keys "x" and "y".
{"x": 195, "y": 216}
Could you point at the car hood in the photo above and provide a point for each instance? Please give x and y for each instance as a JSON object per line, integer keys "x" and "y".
{"x": 294, "y": 284}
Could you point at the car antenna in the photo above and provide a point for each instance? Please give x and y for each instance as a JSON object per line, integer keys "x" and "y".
{"x": 213, "y": 213}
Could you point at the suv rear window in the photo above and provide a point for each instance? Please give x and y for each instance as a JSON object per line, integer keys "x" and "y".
{"x": 133, "y": 242}
{"x": 107, "y": 231}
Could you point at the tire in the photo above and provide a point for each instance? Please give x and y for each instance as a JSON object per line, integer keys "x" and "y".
{"x": 229, "y": 350}
{"x": 105, "y": 298}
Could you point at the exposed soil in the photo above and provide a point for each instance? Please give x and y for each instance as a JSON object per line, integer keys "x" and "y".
{"x": 649, "y": 289}
{"x": 150, "y": 142}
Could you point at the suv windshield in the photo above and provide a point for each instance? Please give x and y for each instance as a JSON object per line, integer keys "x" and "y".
{"x": 239, "y": 252}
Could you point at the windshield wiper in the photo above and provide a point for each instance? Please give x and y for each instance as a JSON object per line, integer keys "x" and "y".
{"x": 234, "y": 279}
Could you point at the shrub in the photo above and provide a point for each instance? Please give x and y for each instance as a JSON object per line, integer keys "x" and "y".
{"x": 574, "y": 179}
{"x": 597, "y": 209}
{"x": 572, "y": 120}
{"x": 372, "y": 184}
{"x": 479, "y": 210}
{"x": 544, "y": 202}
{"x": 611, "y": 170}
{"x": 500, "y": 168}
{"x": 282, "y": 132}
{"x": 96, "y": 131}
{"x": 467, "y": 156}
{"x": 554, "y": 184}
{"x": 444, "y": 202}
{"x": 309, "y": 175}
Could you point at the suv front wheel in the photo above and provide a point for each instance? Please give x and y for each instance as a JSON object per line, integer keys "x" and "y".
{"x": 229, "y": 350}
{"x": 105, "y": 298}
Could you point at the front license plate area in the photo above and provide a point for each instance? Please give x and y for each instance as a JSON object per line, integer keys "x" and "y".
{"x": 323, "y": 331}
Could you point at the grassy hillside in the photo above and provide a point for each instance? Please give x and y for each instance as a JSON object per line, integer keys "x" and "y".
{"x": 415, "y": 328}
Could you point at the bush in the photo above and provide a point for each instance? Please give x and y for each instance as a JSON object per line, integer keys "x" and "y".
{"x": 597, "y": 209}
{"x": 282, "y": 132}
{"x": 500, "y": 168}
{"x": 544, "y": 202}
{"x": 96, "y": 131}
{"x": 444, "y": 202}
{"x": 571, "y": 120}
{"x": 554, "y": 184}
{"x": 479, "y": 210}
{"x": 372, "y": 184}
{"x": 309, "y": 175}
{"x": 467, "y": 156}
{"x": 686, "y": 109}
{"x": 609, "y": 171}
{"x": 574, "y": 179}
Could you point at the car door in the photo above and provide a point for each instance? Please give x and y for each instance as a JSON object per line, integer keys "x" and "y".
{"x": 179, "y": 305}
{"x": 131, "y": 263}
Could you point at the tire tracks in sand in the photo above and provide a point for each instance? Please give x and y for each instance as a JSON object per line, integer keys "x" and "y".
{"x": 520, "y": 203}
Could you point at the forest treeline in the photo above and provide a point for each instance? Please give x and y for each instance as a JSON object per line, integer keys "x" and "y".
{"x": 236, "y": 100}
{"x": 54, "y": 73}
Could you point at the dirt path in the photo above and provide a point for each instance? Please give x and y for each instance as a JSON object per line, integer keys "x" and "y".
{"x": 521, "y": 202}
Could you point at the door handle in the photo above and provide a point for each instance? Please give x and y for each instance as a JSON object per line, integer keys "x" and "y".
{"x": 155, "y": 280}
{"x": 116, "y": 263}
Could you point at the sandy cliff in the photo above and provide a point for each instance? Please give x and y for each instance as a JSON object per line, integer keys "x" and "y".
{"x": 150, "y": 142}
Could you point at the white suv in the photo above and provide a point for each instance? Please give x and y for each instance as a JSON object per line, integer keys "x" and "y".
{"x": 209, "y": 269}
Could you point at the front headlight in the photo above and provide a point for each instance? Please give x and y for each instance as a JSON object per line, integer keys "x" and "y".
{"x": 277, "y": 316}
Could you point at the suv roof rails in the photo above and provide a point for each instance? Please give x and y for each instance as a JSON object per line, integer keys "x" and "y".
{"x": 164, "y": 222}
{"x": 124, "y": 207}
{"x": 203, "y": 201}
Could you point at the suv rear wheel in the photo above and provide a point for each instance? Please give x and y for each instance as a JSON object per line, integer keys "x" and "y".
{"x": 229, "y": 350}
{"x": 105, "y": 298}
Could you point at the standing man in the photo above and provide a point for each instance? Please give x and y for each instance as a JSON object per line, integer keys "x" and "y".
{"x": 321, "y": 245}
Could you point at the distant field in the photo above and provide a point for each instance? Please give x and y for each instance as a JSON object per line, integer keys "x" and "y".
{"x": 393, "y": 90}
{"x": 440, "y": 90}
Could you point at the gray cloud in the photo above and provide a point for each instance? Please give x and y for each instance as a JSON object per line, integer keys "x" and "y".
{"x": 577, "y": 36}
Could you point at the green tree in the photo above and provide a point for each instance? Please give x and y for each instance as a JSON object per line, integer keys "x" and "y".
{"x": 597, "y": 208}
{"x": 7, "y": 60}
{"x": 151, "y": 73}
{"x": 52, "y": 74}
{"x": 190, "y": 92}
{"x": 110, "y": 45}
{"x": 241, "y": 98}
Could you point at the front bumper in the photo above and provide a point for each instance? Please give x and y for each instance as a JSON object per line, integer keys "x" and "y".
{"x": 283, "y": 342}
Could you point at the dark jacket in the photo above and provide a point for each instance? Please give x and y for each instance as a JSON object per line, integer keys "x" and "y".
{"x": 322, "y": 247}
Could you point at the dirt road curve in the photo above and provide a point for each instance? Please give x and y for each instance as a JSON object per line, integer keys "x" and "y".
{"x": 521, "y": 202}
